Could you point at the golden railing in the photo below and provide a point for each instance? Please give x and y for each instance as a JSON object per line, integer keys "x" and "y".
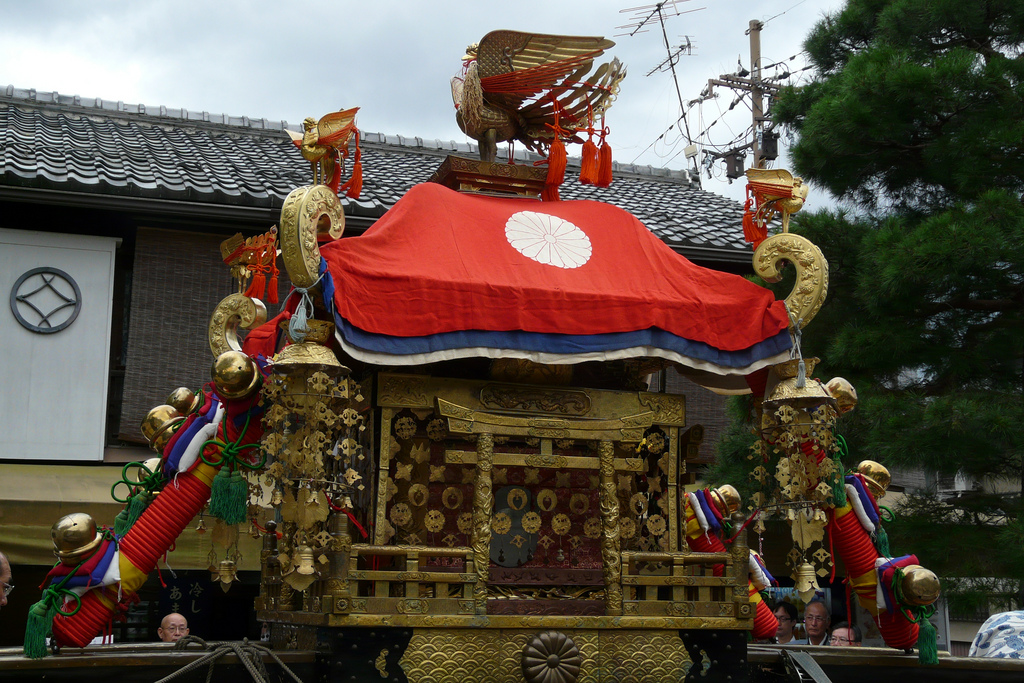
{"x": 410, "y": 589}
{"x": 682, "y": 584}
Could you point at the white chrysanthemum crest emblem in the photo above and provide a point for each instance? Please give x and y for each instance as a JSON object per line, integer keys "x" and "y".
{"x": 548, "y": 239}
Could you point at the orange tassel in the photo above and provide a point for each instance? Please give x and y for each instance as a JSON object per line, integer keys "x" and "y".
{"x": 588, "y": 167}
{"x": 604, "y": 173}
{"x": 556, "y": 171}
{"x": 752, "y": 232}
{"x": 355, "y": 183}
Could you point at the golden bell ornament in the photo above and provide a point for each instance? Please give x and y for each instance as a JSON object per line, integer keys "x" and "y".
{"x": 184, "y": 400}
{"x": 226, "y": 574}
{"x": 74, "y": 538}
{"x": 727, "y": 499}
{"x": 920, "y": 586}
{"x": 306, "y": 561}
{"x": 844, "y": 394}
{"x": 234, "y": 375}
{"x": 160, "y": 424}
{"x": 791, "y": 409}
{"x": 876, "y": 476}
{"x": 806, "y": 581}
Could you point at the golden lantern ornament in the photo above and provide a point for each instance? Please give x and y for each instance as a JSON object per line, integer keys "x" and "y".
{"x": 806, "y": 581}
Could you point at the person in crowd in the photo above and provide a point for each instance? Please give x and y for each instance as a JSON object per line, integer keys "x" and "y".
{"x": 5, "y": 580}
{"x": 845, "y": 635}
{"x": 173, "y": 628}
{"x": 816, "y": 623}
{"x": 785, "y": 612}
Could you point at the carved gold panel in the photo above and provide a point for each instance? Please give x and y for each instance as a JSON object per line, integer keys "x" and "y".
{"x": 457, "y": 655}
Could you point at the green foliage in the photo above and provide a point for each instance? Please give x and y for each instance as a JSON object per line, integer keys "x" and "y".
{"x": 914, "y": 115}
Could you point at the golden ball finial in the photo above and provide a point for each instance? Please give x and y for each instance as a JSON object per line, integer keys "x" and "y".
{"x": 920, "y": 586}
{"x": 877, "y": 477}
{"x": 727, "y": 499}
{"x": 160, "y": 424}
{"x": 844, "y": 394}
{"x": 235, "y": 375}
{"x": 184, "y": 400}
{"x": 74, "y": 538}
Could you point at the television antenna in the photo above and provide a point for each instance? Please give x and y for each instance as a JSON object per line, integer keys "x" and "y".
{"x": 646, "y": 16}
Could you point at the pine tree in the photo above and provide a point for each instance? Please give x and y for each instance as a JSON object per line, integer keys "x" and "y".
{"x": 915, "y": 117}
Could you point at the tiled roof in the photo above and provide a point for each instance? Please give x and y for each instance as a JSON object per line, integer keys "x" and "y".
{"x": 59, "y": 142}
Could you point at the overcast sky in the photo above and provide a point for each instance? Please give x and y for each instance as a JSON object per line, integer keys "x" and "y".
{"x": 392, "y": 59}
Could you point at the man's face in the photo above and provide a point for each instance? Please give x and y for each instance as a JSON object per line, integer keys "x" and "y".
{"x": 785, "y": 624}
{"x": 815, "y": 620}
{"x": 173, "y": 628}
{"x": 5, "y": 580}
{"x": 843, "y": 637}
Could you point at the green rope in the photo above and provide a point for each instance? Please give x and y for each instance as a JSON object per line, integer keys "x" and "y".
{"x": 229, "y": 494}
{"x": 140, "y": 495}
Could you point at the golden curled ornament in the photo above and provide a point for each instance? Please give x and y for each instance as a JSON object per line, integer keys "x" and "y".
{"x": 233, "y": 311}
{"x": 305, "y": 210}
{"x": 811, "y": 285}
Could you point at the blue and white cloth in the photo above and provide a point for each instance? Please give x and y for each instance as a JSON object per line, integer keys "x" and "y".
{"x": 1000, "y": 636}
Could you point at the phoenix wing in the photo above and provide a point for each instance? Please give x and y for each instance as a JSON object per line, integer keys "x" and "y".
{"x": 516, "y": 66}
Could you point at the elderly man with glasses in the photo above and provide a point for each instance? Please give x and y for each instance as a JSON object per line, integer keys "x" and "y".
{"x": 5, "y": 580}
{"x": 173, "y": 628}
{"x": 816, "y": 622}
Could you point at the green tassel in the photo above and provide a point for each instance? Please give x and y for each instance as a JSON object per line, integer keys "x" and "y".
{"x": 121, "y": 522}
{"x": 126, "y": 519}
{"x": 39, "y": 627}
{"x": 229, "y": 499}
{"x": 927, "y": 645}
{"x": 882, "y": 542}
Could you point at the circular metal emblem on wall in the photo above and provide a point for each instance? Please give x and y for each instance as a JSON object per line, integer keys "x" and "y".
{"x": 46, "y": 300}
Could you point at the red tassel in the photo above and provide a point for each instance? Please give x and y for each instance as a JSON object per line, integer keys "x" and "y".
{"x": 556, "y": 171}
{"x": 588, "y": 168}
{"x": 272, "y": 287}
{"x": 256, "y": 288}
{"x": 604, "y": 173}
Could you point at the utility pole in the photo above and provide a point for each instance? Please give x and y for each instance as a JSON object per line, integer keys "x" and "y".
{"x": 757, "y": 89}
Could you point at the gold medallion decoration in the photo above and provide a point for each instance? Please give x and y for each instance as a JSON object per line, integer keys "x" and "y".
{"x": 403, "y": 470}
{"x": 579, "y": 503}
{"x": 627, "y": 527}
{"x": 563, "y": 480}
{"x": 434, "y": 521}
{"x": 452, "y": 498}
{"x": 656, "y": 525}
{"x": 501, "y": 524}
{"x": 547, "y": 500}
{"x": 400, "y": 514}
{"x": 517, "y": 499}
{"x": 465, "y": 522}
{"x": 592, "y": 527}
{"x": 418, "y": 495}
{"x": 561, "y": 524}
{"x": 531, "y": 522}
{"x": 638, "y": 504}
{"x": 436, "y": 429}
{"x": 405, "y": 427}
{"x": 437, "y": 473}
